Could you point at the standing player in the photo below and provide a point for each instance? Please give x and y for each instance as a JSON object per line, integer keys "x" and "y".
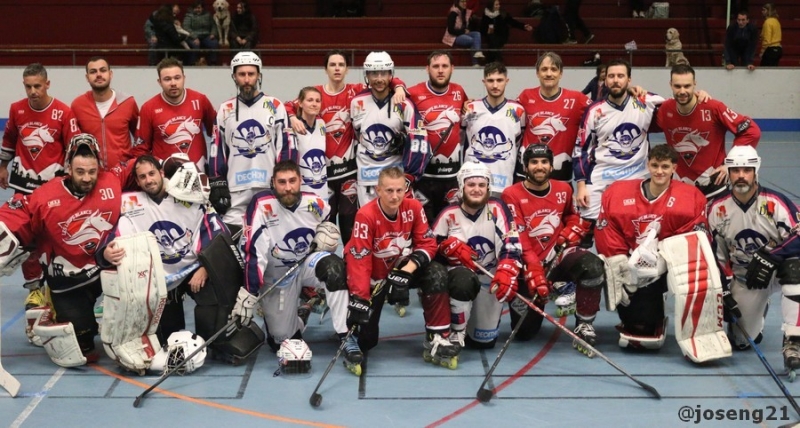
{"x": 310, "y": 144}
{"x": 479, "y": 229}
{"x": 34, "y": 142}
{"x": 386, "y": 230}
{"x": 642, "y": 227}
{"x": 757, "y": 246}
{"x": 554, "y": 115}
{"x": 280, "y": 226}
{"x": 697, "y": 132}
{"x": 440, "y": 101}
{"x": 550, "y": 230}
{"x": 248, "y": 142}
{"x": 613, "y": 142}
{"x": 107, "y": 114}
{"x": 493, "y": 128}
{"x": 173, "y": 121}
{"x": 388, "y": 134}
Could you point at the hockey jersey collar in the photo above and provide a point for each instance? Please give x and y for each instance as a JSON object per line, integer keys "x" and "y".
{"x": 494, "y": 109}
{"x": 622, "y": 105}
{"x": 746, "y": 205}
{"x": 251, "y": 102}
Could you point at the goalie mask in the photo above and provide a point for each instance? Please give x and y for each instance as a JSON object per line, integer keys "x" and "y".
{"x": 294, "y": 357}
{"x": 180, "y": 345}
{"x": 470, "y": 170}
{"x": 186, "y": 183}
{"x": 78, "y": 143}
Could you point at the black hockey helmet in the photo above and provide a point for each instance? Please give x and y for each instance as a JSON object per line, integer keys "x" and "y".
{"x": 536, "y": 151}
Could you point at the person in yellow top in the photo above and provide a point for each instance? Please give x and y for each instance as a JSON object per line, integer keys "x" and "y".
{"x": 771, "y": 50}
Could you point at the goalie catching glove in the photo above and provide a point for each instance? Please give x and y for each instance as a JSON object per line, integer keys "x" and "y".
{"x": 220, "y": 196}
{"x": 504, "y": 283}
{"x": 458, "y": 252}
{"x": 327, "y": 237}
{"x": 244, "y": 307}
{"x": 760, "y": 270}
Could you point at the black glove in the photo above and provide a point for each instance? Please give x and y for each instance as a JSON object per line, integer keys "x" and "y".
{"x": 398, "y": 281}
{"x": 730, "y": 306}
{"x": 220, "y": 196}
{"x": 760, "y": 270}
{"x": 358, "y": 311}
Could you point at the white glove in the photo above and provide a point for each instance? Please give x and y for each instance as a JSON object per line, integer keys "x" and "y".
{"x": 244, "y": 307}
{"x": 327, "y": 237}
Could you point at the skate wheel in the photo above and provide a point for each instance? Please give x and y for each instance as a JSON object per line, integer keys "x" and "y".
{"x": 426, "y": 355}
{"x": 451, "y": 364}
{"x": 401, "y": 310}
{"x": 792, "y": 375}
{"x": 354, "y": 368}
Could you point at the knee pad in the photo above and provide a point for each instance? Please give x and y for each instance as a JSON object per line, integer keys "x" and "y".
{"x": 433, "y": 279}
{"x": 463, "y": 284}
{"x": 589, "y": 270}
{"x": 330, "y": 270}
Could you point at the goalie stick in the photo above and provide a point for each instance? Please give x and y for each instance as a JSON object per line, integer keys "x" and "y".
{"x": 8, "y": 382}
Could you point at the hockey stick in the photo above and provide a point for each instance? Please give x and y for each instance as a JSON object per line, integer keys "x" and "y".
{"x": 764, "y": 361}
{"x": 583, "y": 343}
{"x": 234, "y": 320}
{"x": 8, "y": 382}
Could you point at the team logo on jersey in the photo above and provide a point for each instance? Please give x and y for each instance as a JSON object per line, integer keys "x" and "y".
{"x": 485, "y": 250}
{"x": 350, "y": 190}
{"x": 358, "y": 255}
{"x": 174, "y": 242}
{"x": 316, "y": 206}
{"x": 250, "y": 138}
{"x": 130, "y": 204}
{"x": 452, "y": 196}
{"x": 490, "y": 145}
{"x": 390, "y": 246}
{"x": 86, "y": 229}
{"x": 545, "y": 128}
{"x": 688, "y": 143}
{"x": 294, "y": 246}
{"x": 180, "y": 132}
{"x": 542, "y": 226}
{"x": 336, "y": 125}
{"x": 515, "y": 113}
{"x": 746, "y": 243}
{"x": 626, "y": 141}
{"x": 314, "y": 169}
{"x": 442, "y": 119}
{"x": 34, "y": 136}
{"x": 644, "y": 224}
{"x": 380, "y": 144}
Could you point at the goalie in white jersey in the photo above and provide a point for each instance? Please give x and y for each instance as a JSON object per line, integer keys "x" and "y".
{"x": 755, "y": 232}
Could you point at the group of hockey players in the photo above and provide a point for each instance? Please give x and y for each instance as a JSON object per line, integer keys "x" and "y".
{"x": 430, "y": 189}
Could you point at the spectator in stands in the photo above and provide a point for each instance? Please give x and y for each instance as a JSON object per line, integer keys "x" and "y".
{"x": 244, "y": 28}
{"x": 573, "y": 18}
{"x": 740, "y": 43}
{"x": 596, "y": 89}
{"x": 771, "y": 50}
{"x": 202, "y": 33}
{"x": 637, "y": 6}
{"x": 458, "y": 33}
{"x": 496, "y": 27}
{"x": 151, "y": 39}
{"x": 167, "y": 36}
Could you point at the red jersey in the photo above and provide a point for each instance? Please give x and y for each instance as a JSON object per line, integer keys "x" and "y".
{"x": 15, "y": 214}
{"x": 699, "y": 137}
{"x": 35, "y": 141}
{"x": 539, "y": 219}
{"x": 69, "y": 229}
{"x": 114, "y": 130}
{"x": 626, "y": 213}
{"x": 441, "y": 115}
{"x": 378, "y": 241}
{"x": 554, "y": 122}
{"x": 165, "y": 128}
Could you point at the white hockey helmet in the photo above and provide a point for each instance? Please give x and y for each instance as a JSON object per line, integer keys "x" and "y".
{"x": 180, "y": 345}
{"x": 294, "y": 356}
{"x": 377, "y": 61}
{"x": 186, "y": 182}
{"x": 245, "y": 58}
{"x": 742, "y": 156}
{"x": 81, "y": 140}
{"x": 472, "y": 169}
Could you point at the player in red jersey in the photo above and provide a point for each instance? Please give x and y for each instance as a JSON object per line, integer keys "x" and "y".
{"x": 335, "y": 111}
{"x": 439, "y": 102}
{"x": 697, "y": 132}
{"x": 392, "y": 243}
{"x": 34, "y": 141}
{"x": 554, "y": 115}
{"x": 173, "y": 121}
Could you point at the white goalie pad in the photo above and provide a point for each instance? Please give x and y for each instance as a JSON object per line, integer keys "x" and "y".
{"x": 633, "y": 341}
{"x": 645, "y": 263}
{"x": 135, "y": 295}
{"x": 11, "y": 253}
{"x": 180, "y": 345}
{"x": 294, "y": 356}
{"x": 618, "y": 280}
{"x": 693, "y": 277}
{"x": 59, "y": 340}
{"x": 31, "y": 316}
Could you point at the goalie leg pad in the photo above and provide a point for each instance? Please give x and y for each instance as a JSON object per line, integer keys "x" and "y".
{"x": 617, "y": 276}
{"x": 135, "y": 296}
{"x": 463, "y": 284}
{"x": 243, "y": 343}
{"x": 628, "y": 339}
{"x": 31, "y": 316}
{"x": 694, "y": 279}
{"x": 11, "y": 253}
{"x": 59, "y": 340}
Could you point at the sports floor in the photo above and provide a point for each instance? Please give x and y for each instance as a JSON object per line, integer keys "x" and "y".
{"x": 542, "y": 383}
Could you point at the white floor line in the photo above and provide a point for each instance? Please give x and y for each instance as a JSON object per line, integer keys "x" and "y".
{"x": 38, "y": 398}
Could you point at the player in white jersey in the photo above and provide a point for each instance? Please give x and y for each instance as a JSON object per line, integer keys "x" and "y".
{"x": 755, "y": 232}
{"x": 280, "y": 226}
{"x": 310, "y": 145}
{"x": 248, "y": 142}
{"x": 388, "y": 134}
{"x": 478, "y": 229}
{"x": 494, "y": 126}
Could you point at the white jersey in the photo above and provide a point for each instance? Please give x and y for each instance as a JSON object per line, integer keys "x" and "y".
{"x": 181, "y": 229}
{"x": 612, "y": 143}
{"x": 248, "y": 141}
{"x": 312, "y": 159}
{"x": 493, "y": 137}
{"x": 276, "y": 237}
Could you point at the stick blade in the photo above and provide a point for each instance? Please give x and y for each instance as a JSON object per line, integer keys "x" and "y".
{"x": 315, "y": 400}
{"x": 650, "y": 389}
{"x": 137, "y": 403}
{"x": 484, "y": 395}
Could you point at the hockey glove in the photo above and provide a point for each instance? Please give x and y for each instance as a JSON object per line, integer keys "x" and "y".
{"x": 572, "y": 234}
{"x": 730, "y": 306}
{"x": 537, "y": 283}
{"x": 760, "y": 270}
{"x": 398, "y": 281}
{"x": 220, "y": 196}
{"x": 327, "y": 237}
{"x": 504, "y": 283}
{"x": 358, "y": 311}
{"x": 458, "y": 252}
{"x": 244, "y": 307}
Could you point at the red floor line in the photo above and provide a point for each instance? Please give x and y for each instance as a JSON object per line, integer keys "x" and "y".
{"x": 538, "y": 357}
